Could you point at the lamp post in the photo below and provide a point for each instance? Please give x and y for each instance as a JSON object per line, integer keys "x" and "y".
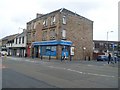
{"x": 107, "y": 41}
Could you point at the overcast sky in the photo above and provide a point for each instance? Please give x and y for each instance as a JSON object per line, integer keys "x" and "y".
{"x": 15, "y": 13}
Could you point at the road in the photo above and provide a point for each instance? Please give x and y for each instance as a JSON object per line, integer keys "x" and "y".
{"x": 35, "y": 73}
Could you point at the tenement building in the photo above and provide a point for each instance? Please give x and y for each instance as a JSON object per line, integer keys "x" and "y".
{"x": 16, "y": 46}
{"x": 58, "y": 33}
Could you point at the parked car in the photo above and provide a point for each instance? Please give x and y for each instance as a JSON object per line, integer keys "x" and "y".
{"x": 116, "y": 58}
{"x": 102, "y": 58}
{"x": 3, "y": 53}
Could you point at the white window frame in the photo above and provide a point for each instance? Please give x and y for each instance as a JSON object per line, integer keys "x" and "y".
{"x": 64, "y": 19}
{"x": 63, "y": 34}
{"x": 45, "y": 23}
{"x": 53, "y": 19}
{"x": 52, "y": 34}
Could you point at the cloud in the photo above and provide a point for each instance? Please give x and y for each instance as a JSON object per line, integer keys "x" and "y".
{"x": 16, "y": 13}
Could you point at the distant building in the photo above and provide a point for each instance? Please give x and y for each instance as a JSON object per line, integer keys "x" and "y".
{"x": 102, "y": 46}
{"x": 0, "y": 44}
{"x": 17, "y": 45}
{"x": 50, "y": 35}
{"x": 5, "y": 40}
{"x": 119, "y": 49}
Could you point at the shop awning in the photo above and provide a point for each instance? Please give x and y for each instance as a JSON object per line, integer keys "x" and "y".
{"x": 53, "y": 42}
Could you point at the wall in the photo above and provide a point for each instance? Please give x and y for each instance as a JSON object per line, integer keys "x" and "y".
{"x": 79, "y": 30}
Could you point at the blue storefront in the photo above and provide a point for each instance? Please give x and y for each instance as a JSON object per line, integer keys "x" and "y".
{"x": 52, "y": 48}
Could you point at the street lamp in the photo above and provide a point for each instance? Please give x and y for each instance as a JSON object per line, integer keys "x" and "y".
{"x": 107, "y": 40}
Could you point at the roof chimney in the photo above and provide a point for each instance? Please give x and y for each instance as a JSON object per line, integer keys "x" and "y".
{"x": 38, "y": 15}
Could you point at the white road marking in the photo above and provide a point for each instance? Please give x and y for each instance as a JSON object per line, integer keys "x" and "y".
{"x": 89, "y": 65}
{"x": 57, "y": 67}
{"x": 81, "y": 72}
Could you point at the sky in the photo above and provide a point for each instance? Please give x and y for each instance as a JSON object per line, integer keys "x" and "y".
{"x": 14, "y": 14}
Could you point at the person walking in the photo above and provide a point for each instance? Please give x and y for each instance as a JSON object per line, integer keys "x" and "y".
{"x": 63, "y": 56}
{"x": 109, "y": 58}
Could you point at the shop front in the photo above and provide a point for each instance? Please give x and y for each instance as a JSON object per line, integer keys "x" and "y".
{"x": 51, "y": 49}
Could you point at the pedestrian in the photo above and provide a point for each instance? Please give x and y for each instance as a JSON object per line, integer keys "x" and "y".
{"x": 109, "y": 58}
{"x": 25, "y": 55}
{"x": 64, "y": 56}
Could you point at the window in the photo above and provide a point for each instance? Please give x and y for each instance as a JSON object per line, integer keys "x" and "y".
{"x": 34, "y": 25}
{"x": 53, "y": 48}
{"x": 28, "y": 26}
{"x": 105, "y": 45}
{"x": 16, "y": 40}
{"x": 33, "y": 34}
{"x": 101, "y": 44}
{"x": 52, "y": 34}
{"x": 63, "y": 34}
{"x": 19, "y": 40}
{"x": 29, "y": 35}
{"x": 97, "y": 45}
{"x": 64, "y": 19}
{"x": 23, "y": 39}
{"x": 13, "y": 41}
{"x": 45, "y": 23}
{"x": 44, "y": 35}
{"x": 53, "y": 20}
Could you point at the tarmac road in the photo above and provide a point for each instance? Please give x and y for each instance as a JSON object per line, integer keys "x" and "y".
{"x": 34, "y": 73}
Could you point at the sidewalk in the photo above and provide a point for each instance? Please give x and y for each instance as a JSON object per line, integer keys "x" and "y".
{"x": 86, "y": 62}
{"x": 58, "y": 60}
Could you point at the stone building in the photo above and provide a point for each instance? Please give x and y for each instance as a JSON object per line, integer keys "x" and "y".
{"x": 53, "y": 34}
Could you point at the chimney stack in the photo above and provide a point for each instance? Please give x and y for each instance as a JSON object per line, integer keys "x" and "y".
{"x": 38, "y": 15}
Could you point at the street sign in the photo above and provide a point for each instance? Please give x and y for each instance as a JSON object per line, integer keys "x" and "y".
{"x": 72, "y": 50}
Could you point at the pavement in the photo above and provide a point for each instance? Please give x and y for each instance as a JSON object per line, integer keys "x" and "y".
{"x": 89, "y": 63}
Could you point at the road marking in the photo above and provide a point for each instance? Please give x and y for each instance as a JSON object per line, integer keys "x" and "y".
{"x": 57, "y": 67}
{"x": 82, "y": 72}
{"x": 89, "y": 65}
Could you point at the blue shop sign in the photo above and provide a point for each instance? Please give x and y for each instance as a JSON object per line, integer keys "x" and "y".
{"x": 53, "y": 42}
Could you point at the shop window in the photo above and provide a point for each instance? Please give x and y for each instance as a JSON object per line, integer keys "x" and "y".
{"x": 53, "y": 48}
{"x": 49, "y": 50}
